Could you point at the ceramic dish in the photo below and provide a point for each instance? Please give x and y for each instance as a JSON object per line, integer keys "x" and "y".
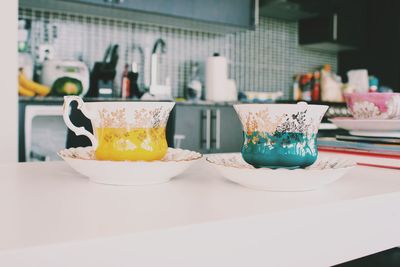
{"x": 374, "y": 105}
{"x": 368, "y": 127}
{"x": 324, "y": 171}
{"x": 175, "y": 162}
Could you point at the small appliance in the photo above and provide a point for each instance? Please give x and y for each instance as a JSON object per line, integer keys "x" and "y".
{"x": 103, "y": 74}
{"x": 53, "y": 70}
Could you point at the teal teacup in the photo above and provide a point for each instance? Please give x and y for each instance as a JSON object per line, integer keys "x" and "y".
{"x": 280, "y": 135}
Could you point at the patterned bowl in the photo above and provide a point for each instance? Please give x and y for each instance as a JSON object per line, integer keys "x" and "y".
{"x": 374, "y": 105}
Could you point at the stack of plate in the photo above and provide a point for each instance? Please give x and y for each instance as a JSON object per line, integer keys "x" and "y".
{"x": 369, "y": 127}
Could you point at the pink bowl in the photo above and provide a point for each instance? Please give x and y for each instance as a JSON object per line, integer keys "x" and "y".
{"x": 374, "y": 105}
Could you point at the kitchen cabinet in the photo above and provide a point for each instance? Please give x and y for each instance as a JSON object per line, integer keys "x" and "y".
{"x": 170, "y": 7}
{"x": 179, "y": 8}
{"x": 208, "y": 129}
{"x": 239, "y": 13}
{"x": 380, "y": 53}
{"x": 95, "y": 2}
{"x": 342, "y": 28}
{"x": 290, "y": 10}
{"x": 223, "y": 16}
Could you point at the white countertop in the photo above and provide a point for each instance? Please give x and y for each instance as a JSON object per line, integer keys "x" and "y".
{"x": 49, "y": 212}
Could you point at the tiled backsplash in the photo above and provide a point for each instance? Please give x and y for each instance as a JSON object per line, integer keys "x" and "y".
{"x": 260, "y": 60}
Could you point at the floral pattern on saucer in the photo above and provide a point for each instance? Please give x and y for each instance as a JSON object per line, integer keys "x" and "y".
{"x": 323, "y": 172}
{"x": 88, "y": 153}
{"x": 236, "y": 161}
{"x": 134, "y": 173}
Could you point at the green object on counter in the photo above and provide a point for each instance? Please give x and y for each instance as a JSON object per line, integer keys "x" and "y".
{"x": 288, "y": 150}
{"x": 66, "y": 86}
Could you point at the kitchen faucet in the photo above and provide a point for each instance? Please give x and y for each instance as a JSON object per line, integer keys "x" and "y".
{"x": 154, "y": 60}
{"x": 159, "y": 42}
{"x": 155, "y": 88}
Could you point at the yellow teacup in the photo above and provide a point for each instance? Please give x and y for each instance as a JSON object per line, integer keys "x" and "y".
{"x": 124, "y": 130}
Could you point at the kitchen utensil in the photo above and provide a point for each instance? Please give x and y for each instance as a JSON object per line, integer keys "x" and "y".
{"x": 324, "y": 171}
{"x": 103, "y": 74}
{"x": 369, "y": 127}
{"x": 194, "y": 86}
{"x": 280, "y": 135}
{"x": 124, "y": 130}
{"x": 374, "y": 105}
{"x": 133, "y": 77}
{"x": 54, "y": 70}
{"x": 175, "y": 162}
{"x": 157, "y": 89}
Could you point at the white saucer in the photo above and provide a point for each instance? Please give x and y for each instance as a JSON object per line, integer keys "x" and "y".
{"x": 323, "y": 172}
{"x": 174, "y": 163}
{"x": 383, "y": 128}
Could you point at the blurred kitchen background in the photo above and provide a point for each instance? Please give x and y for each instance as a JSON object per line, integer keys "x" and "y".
{"x": 205, "y": 55}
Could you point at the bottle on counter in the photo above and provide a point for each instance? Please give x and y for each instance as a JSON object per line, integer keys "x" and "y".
{"x": 331, "y": 85}
{"x": 373, "y": 84}
{"x": 125, "y": 83}
{"x": 296, "y": 88}
{"x": 305, "y": 85}
{"x": 316, "y": 87}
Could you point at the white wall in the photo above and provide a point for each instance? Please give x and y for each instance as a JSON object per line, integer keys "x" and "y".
{"x": 8, "y": 82}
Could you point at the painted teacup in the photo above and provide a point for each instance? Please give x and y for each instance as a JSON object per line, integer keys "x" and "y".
{"x": 124, "y": 130}
{"x": 280, "y": 135}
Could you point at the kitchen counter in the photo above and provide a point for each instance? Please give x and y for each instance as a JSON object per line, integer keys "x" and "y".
{"x": 37, "y": 100}
{"x": 52, "y": 216}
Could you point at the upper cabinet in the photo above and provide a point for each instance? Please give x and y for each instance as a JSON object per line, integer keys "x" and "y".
{"x": 340, "y": 27}
{"x": 291, "y": 10}
{"x": 220, "y": 16}
{"x": 178, "y": 8}
{"x": 380, "y": 52}
{"x": 240, "y": 13}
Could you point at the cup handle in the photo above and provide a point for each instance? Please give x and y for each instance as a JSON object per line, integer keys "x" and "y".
{"x": 77, "y": 130}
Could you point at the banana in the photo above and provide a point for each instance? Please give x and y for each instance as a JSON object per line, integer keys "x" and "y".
{"x": 39, "y": 89}
{"x": 25, "y": 92}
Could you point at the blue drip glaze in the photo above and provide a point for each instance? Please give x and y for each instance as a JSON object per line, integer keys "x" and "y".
{"x": 281, "y": 150}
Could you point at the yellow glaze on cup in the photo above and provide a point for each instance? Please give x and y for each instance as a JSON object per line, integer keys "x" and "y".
{"x": 120, "y": 144}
